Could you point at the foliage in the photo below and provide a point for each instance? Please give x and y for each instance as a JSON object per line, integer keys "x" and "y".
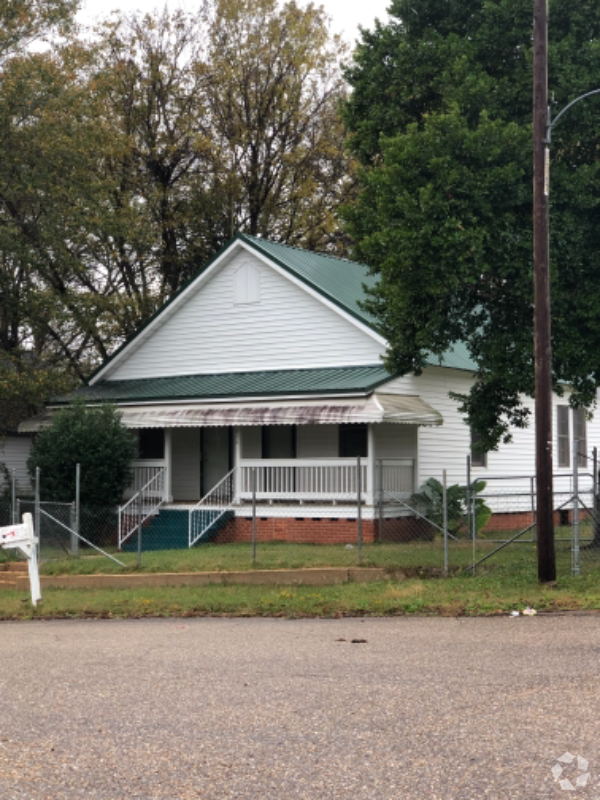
{"x": 93, "y": 437}
{"x": 127, "y": 160}
{"x": 440, "y": 118}
{"x": 429, "y": 501}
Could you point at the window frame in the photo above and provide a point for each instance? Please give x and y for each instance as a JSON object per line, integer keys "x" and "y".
{"x": 478, "y": 459}
{"x": 580, "y": 421}
{"x": 562, "y": 418}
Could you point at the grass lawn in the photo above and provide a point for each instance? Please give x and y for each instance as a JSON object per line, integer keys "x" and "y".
{"x": 508, "y": 581}
{"x": 421, "y": 558}
{"x": 488, "y": 594}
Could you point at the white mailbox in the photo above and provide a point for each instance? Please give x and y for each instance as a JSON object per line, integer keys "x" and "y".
{"x": 22, "y": 537}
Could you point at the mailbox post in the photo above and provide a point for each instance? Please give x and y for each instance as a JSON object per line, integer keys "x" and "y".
{"x": 22, "y": 537}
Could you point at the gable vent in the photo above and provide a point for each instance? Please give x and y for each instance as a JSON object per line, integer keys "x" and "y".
{"x": 246, "y": 285}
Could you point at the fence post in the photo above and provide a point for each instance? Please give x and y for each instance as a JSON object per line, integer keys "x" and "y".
{"x": 13, "y": 497}
{"x": 595, "y": 503}
{"x": 359, "y": 507}
{"x": 576, "y": 564}
{"x": 532, "y": 492}
{"x": 474, "y": 523}
{"x": 253, "y": 474}
{"x": 139, "y": 533}
{"x": 380, "y": 499}
{"x": 75, "y": 512}
{"x": 445, "y": 511}
{"x": 469, "y": 506}
{"x": 468, "y": 495}
{"x": 37, "y": 515}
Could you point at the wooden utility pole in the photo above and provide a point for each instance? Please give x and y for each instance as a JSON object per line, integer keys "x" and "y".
{"x": 541, "y": 272}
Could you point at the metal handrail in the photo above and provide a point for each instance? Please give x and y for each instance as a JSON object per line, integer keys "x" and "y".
{"x": 221, "y": 499}
{"x": 142, "y": 511}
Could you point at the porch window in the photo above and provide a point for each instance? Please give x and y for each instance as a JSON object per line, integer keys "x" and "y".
{"x": 353, "y": 441}
{"x": 478, "y": 458}
{"x": 279, "y": 441}
{"x": 562, "y": 432}
{"x": 151, "y": 443}
{"x": 580, "y": 433}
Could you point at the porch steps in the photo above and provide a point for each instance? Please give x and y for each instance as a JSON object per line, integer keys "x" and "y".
{"x": 169, "y": 530}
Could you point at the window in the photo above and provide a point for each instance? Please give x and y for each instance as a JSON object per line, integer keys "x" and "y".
{"x": 353, "y": 441}
{"x": 564, "y": 438}
{"x": 151, "y": 443}
{"x": 279, "y": 441}
{"x": 478, "y": 458}
{"x": 580, "y": 435}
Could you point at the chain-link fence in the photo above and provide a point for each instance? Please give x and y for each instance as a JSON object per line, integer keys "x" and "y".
{"x": 474, "y": 525}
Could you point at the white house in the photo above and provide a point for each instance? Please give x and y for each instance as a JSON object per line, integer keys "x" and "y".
{"x": 266, "y": 365}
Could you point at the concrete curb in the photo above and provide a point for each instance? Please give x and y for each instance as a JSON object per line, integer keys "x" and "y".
{"x": 329, "y": 576}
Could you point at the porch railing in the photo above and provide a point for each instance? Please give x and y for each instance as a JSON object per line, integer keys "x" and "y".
{"x": 302, "y": 479}
{"x": 143, "y": 472}
{"x": 396, "y": 477}
{"x": 144, "y": 504}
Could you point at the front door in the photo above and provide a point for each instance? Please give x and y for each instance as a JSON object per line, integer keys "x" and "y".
{"x": 216, "y": 457}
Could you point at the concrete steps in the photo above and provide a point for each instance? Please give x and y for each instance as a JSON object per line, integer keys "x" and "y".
{"x": 169, "y": 530}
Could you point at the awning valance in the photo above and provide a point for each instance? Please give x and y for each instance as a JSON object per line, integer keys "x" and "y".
{"x": 378, "y": 407}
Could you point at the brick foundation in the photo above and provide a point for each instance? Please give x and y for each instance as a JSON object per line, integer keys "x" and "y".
{"x": 298, "y": 530}
{"x": 307, "y": 530}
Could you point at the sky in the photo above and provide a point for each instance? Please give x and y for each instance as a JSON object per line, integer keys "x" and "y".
{"x": 346, "y": 15}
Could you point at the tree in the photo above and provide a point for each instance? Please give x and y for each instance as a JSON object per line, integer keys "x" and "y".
{"x": 127, "y": 161}
{"x": 440, "y": 118}
{"x": 93, "y": 437}
{"x": 30, "y": 86}
{"x": 22, "y": 22}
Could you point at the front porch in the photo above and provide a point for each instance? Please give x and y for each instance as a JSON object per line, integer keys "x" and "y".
{"x": 301, "y": 465}
{"x": 283, "y": 475}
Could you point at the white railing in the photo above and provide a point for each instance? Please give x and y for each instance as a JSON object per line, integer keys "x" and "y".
{"x": 302, "y": 479}
{"x": 397, "y": 476}
{"x": 144, "y": 504}
{"x": 208, "y": 511}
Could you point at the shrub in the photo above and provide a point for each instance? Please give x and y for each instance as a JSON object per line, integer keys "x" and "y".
{"x": 93, "y": 437}
{"x": 429, "y": 501}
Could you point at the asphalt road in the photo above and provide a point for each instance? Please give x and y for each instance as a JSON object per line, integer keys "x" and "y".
{"x": 257, "y": 708}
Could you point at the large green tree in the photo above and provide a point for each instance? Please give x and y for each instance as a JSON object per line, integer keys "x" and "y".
{"x": 32, "y": 354}
{"x": 440, "y": 118}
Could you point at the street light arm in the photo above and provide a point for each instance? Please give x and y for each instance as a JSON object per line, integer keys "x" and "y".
{"x": 550, "y": 125}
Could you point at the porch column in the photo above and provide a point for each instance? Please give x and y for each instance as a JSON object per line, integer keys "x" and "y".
{"x": 237, "y": 457}
{"x": 168, "y": 465}
{"x": 370, "y": 463}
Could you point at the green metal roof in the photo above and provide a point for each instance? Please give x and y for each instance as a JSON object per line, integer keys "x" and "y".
{"x": 337, "y": 380}
{"x": 340, "y": 280}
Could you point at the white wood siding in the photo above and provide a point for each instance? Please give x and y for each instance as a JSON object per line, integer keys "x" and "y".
{"x": 186, "y": 463}
{"x": 287, "y": 328}
{"x": 14, "y": 452}
{"x": 447, "y": 447}
{"x": 317, "y": 441}
{"x": 395, "y": 441}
